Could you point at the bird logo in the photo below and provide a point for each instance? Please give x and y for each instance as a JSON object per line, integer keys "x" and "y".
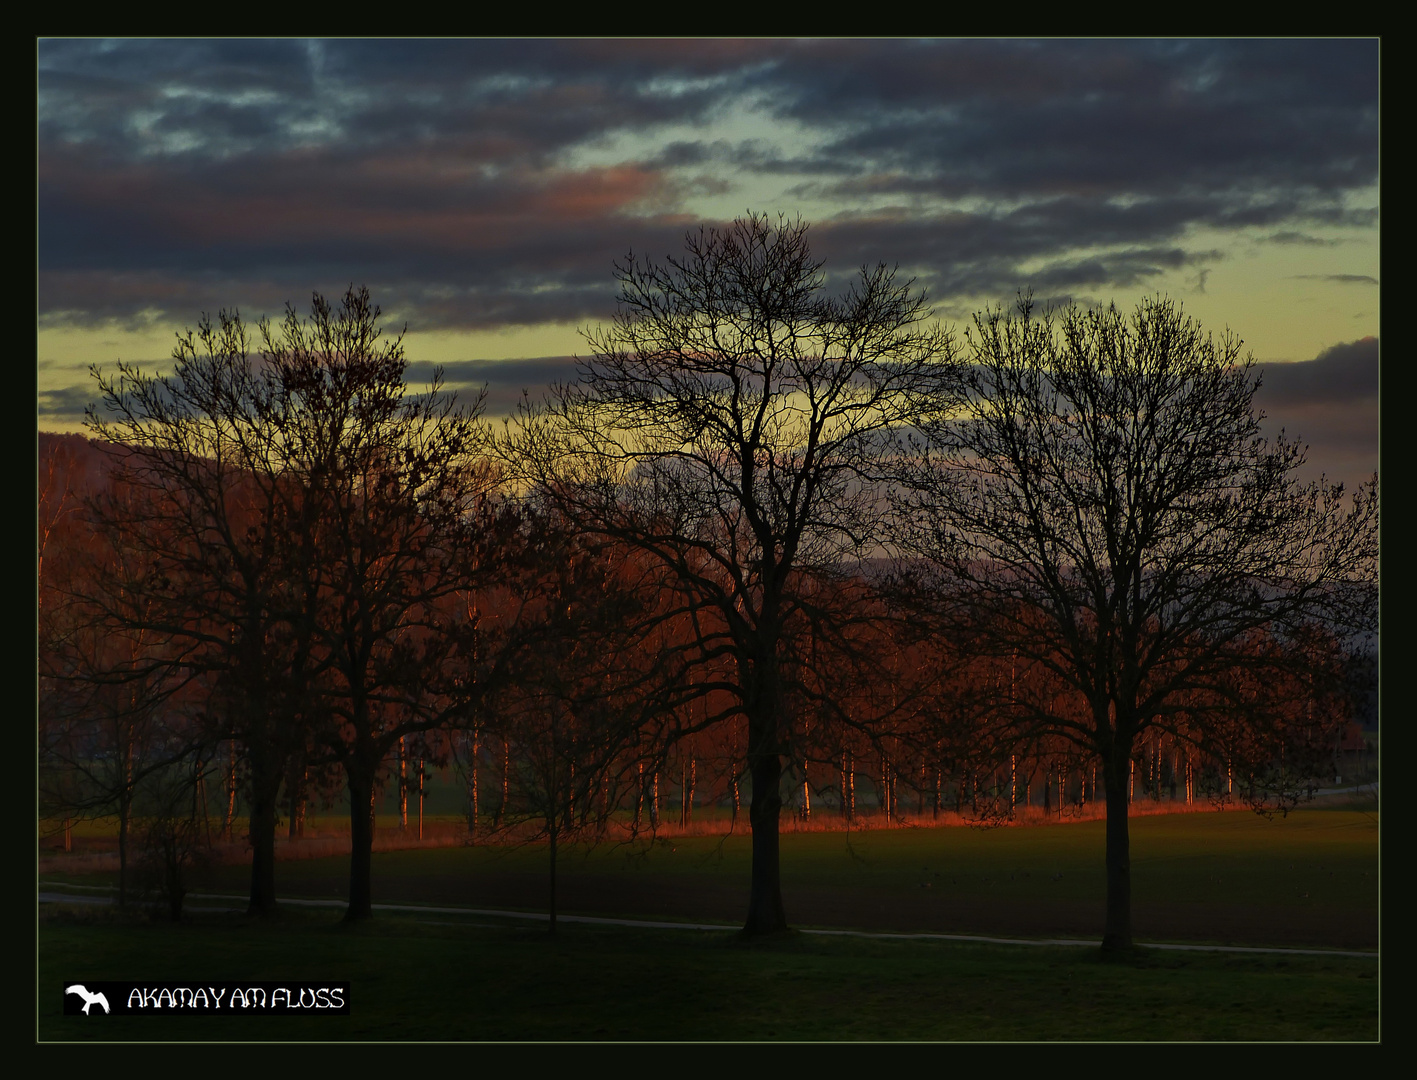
{"x": 89, "y": 999}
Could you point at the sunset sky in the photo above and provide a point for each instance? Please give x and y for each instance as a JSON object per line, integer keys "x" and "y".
{"x": 482, "y": 189}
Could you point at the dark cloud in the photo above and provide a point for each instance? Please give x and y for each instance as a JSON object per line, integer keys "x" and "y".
{"x": 1328, "y": 404}
{"x": 507, "y": 382}
{"x": 1290, "y": 236}
{"x": 224, "y": 97}
{"x": 450, "y": 175}
{"x": 532, "y": 372}
{"x": 1341, "y": 279}
{"x": 1346, "y": 372}
{"x": 1030, "y": 119}
{"x": 66, "y": 405}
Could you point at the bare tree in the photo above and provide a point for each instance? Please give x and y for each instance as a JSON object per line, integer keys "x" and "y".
{"x": 401, "y": 525}
{"x": 176, "y": 831}
{"x": 202, "y": 500}
{"x": 302, "y": 521}
{"x": 593, "y": 689}
{"x": 732, "y": 426}
{"x": 109, "y": 721}
{"x": 1105, "y": 508}
{"x": 61, "y": 533}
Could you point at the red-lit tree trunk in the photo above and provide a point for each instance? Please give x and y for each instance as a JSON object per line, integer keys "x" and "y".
{"x": 403, "y": 786}
{"x": 639, "y": 793}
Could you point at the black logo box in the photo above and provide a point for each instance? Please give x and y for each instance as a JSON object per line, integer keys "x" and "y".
{"x": 196, "y": 998}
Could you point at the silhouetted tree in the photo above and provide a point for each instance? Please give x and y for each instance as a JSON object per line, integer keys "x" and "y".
{"x": 176, "y": 832}
{"x": 402, "y": 524}
{"x": 64, "y": 480}
{"x": 109, "y": 724}
{"x": 593, "y": 688}
{"x": 202, "y": 498}
{"x": 1104, "y": 506}
{"x": 732, "y": 426}
{"x": 302, "y": 520}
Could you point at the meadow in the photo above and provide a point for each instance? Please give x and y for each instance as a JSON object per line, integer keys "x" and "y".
{"x": 1308, "y": 881}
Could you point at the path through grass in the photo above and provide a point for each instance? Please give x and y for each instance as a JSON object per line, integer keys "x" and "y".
{"x": 416, "y": 980}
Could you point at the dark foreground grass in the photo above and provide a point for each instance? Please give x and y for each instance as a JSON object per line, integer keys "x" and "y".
{"x": 1307, "y": 880}
{"x": 1311, "y": 857}
{"x": 414, "y": 979}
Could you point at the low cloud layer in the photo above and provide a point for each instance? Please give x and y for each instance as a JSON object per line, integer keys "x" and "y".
{"x": 1345, "y": 373}
{"x": 1329, "y": 403}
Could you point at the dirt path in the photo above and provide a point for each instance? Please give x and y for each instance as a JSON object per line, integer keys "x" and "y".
{"x": 204, "y": 901}
{"x": 865, "y": 909}
{"x": 668, "y": 899}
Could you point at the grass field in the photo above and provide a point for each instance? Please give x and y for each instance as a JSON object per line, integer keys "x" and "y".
{"x": 412, "y": 980}
{"x": 1310, "y": 880}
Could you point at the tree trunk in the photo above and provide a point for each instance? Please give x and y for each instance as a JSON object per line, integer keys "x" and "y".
{"x": 227, "y": 821}
{"x": 472, "y": 786}
{"x": 266, "y": 778}
{"x": 199, "y": 803}
{"x": 765, "y": 911}
{"x": 1116, "y": 778}
{"x": 506, "y": 767}
{"x": 551, "y": 898}
{"x": 261, "y": 835}
{"x": 361, "y": 841}
{"x": 639, "y": 793}
{"x": 295, "y": 789}
{"x": 124, "y": 817}
{"x": 403, "y": 787}
{"x": 125, "y": 814}
{"x": 850, "y": 789}
{"x": 845, "y": 811}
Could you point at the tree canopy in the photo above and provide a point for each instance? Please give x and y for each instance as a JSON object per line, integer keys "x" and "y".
{"x": 733, "y": 424}
{"x": 1103, "y": 504}
{"x": 1049, "y": 545}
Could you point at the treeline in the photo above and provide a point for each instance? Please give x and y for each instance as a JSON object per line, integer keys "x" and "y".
{"x": 769, "y": 545}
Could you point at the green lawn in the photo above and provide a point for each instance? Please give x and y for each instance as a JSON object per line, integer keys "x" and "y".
{"x": 412, "y": 980}
{"x": 1309, "y": 880}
